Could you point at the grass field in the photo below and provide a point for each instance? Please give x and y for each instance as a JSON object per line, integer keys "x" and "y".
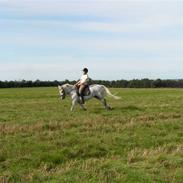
{"x": 139, "y": 141}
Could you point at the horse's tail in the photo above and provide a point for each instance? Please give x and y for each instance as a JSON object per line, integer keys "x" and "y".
{"x": 110, "y": 94}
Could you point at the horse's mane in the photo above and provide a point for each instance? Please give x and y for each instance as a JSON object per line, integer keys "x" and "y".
{"x": 67, "y": 84}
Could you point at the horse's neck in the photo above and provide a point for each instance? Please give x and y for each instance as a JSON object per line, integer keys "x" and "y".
{"x": 70, "y": 90}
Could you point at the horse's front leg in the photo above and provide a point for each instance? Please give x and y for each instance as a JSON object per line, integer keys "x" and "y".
{"x": 74, "y": 102}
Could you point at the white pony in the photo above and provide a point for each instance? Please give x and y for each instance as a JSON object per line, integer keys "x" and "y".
{"x": 96, "y": 91}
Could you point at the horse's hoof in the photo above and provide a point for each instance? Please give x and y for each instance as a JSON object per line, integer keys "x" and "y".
{"x": 108, "y": 108}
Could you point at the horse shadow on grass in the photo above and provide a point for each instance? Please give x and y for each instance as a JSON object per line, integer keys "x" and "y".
{"x": 128, "y": 108}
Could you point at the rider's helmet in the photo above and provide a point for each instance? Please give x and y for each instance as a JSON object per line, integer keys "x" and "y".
{"x": 85, "y": 70}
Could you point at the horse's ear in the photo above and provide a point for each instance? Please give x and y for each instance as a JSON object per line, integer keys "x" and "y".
{"x": 59, "y": 87}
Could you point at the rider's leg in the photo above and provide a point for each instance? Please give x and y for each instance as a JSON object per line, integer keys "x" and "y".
{"x": 81, "y": 93}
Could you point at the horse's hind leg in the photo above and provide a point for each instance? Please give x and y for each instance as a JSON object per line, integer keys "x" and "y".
{"x": 82, "y": 106}
{"x": 104, "y": 103}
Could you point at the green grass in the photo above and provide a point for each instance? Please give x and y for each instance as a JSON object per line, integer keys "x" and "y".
{"x": 139, "y": 141}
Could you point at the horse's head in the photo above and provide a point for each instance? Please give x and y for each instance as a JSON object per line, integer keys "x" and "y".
{"x": 61, "y": 92}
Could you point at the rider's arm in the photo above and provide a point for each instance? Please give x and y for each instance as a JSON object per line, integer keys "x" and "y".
{"x": 78, "y": 83}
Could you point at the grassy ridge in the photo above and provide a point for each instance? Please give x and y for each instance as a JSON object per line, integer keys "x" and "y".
{"x": 140, "y": 140}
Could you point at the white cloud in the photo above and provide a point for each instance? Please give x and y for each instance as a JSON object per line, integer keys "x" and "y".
{"x": 132, "y": 16}
{"x": 108, "y": 8}
{"x": 114, "y": 69}
{"x": 170, "y": 47}
{"x": 146, "y": 17}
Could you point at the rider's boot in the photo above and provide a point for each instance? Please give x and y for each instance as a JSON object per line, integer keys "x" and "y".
{"x": 82, "y": 99}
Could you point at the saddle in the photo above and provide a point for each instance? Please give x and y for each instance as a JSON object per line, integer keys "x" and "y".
{"x": 86, "y": 91}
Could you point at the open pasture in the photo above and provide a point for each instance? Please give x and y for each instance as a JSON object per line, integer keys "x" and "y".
{"x": 139, "y": 141}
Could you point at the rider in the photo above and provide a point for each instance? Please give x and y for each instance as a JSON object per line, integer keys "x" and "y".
{"x": 82, "y": 83}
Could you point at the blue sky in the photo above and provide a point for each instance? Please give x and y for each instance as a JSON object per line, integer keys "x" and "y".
{"x": 115, "y": 39}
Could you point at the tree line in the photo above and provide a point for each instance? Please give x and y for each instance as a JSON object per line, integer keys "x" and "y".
{"x": 135, "y": 83}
